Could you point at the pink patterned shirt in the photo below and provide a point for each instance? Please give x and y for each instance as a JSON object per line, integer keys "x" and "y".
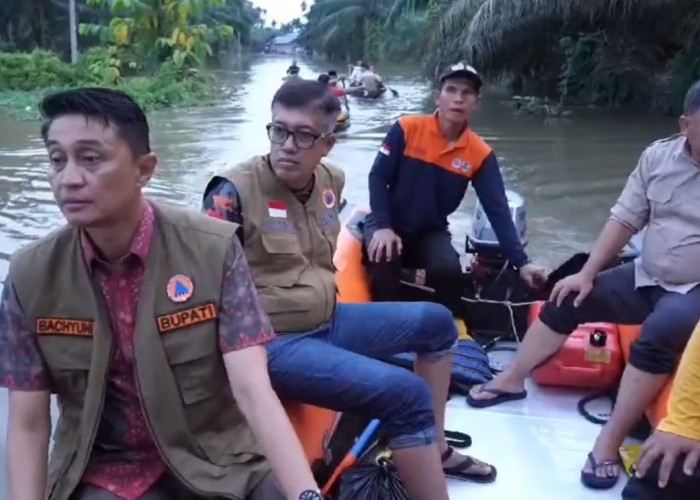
{"x": 242, "y": 323}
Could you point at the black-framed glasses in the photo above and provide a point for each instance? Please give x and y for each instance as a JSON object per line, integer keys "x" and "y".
{"x": 303, "y": 139}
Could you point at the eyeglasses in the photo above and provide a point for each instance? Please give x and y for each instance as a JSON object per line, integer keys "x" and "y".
{"x": 302, "y": 139}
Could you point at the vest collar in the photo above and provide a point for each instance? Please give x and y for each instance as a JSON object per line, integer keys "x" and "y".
{"x": 140, "y": 244}
{"x": 272, "y": 186}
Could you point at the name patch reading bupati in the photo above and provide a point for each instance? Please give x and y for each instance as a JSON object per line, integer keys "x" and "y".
{"x": 187, "y": 317}
{"x": 65, "y": 326}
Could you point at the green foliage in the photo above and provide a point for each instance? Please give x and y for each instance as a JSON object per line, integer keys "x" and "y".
{"x": 27, "y": 77}
{"x": 156, "y": 31}
{"x": 376, "y": 30}
{"x": 36, "y": 70}
{"x": 625, "y": 52}
{"x": 29, "y": 24}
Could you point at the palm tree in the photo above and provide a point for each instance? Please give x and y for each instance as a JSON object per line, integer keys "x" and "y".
{"x": 72, "y": 16}
{"x": 348, "y": 27}
{"x": 613, "y": 44}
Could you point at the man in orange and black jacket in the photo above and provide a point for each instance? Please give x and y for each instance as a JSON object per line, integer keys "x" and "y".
{"x": 419, "y": 178}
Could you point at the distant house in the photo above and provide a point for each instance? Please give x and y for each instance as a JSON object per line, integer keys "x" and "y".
{"x": 284, "y": 44}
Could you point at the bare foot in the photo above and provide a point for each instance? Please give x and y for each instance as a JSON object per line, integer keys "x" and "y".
{"x": 500, "y": 383}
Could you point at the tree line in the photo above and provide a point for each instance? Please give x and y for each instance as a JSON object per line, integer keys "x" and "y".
{"x": 605, "y": 52}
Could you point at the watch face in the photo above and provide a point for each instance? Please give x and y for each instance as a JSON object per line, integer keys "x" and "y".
{"x": 310, "y": 495}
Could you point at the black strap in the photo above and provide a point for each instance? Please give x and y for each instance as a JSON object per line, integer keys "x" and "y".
{"x": 588, "y": 415}
{"x": 458, "y": 439}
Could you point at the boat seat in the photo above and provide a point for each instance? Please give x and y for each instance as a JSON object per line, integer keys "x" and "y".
{"x": 659, "y": 408}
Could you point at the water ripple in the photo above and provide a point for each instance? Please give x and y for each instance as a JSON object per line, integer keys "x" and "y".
{"x": 569, "y": 171}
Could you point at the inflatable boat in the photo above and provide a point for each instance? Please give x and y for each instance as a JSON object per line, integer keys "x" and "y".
{"x": 343, "y": 121}
{"x": 497, "y": 308}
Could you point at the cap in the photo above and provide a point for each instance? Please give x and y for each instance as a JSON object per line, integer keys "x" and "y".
{"x": 464, "y": 70}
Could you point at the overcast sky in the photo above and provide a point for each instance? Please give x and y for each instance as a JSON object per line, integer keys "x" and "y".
{"x": 281, "y": 11}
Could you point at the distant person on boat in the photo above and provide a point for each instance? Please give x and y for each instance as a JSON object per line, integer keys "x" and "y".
{"x": 372, "y": 82}
{"x": 355, "y": 77}
{"x": 659, "y": 290}
{"x": 144, "y": 321}
{"x": 327, "y": 353}
{"x": 337, "y": 91}
{"x": 669, "y": 465}
{"x": 292, "y": 71}
{"x": 419, "y": 178}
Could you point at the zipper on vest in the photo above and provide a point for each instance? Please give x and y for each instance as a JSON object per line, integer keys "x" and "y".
{"x": 311, "y": 260}
{"x": 167, "y": 462}
{"x": 96, "y": 426}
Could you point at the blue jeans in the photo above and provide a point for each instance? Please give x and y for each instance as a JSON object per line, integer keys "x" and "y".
{"x": 337, "y": 366}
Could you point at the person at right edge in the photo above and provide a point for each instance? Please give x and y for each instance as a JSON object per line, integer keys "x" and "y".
{"x": 659, "y": 290}
{"x": 419, "y": 178}
{"x": 668, "y": 465}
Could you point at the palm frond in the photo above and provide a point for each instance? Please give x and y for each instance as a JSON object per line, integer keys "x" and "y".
{"x": 446, "y": 42}
{"x": 500, "y": 27}
{"x": 345, "y": 16}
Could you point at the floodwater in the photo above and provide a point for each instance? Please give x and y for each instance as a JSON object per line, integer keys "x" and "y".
{"x": 569, "y": 171}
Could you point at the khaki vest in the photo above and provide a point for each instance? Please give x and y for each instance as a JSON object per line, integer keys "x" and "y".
{"x": 289, "y": 245}
{"x": 200, "y": 432}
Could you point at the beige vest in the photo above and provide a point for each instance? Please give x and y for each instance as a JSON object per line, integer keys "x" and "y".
{"x": 200, "y": 432}
{"x": 290, "y": 245}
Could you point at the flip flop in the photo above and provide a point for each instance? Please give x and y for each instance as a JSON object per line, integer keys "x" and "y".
{"x": 501, "y": 397}
{"x": 459, "y": 471}
{"x": 594, "y": 482}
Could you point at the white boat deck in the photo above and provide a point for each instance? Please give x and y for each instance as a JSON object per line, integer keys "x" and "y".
{"x": 538, "y": 445}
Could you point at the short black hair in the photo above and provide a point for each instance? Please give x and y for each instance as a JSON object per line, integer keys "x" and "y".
{"x": 692, "y": 100}
{"x": 333, "y": 73}
{"x": 298, "y": 94}
{"x": 364, "y": 65}
{"x": 114, "y": 107}
{"x": 324, "y": 78}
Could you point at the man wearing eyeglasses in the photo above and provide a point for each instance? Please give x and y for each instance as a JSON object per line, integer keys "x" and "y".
{"x": 326, "y": 353}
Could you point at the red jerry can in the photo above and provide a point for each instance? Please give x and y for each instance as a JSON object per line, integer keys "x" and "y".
{"x": 591, "y": 358}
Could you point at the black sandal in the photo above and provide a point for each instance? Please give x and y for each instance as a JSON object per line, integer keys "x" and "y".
{"x": 459, "y": 471}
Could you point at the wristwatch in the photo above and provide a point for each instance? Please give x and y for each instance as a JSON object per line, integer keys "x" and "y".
{"x": 310, "y": 495}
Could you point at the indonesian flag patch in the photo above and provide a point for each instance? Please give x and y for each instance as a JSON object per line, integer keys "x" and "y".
{"x": 277, "y": 209}
{"x": 385, "y": 150}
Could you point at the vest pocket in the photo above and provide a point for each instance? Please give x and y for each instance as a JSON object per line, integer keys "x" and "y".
{"x": 68, "y": 360}
{"x": 277, "y": 300}
{"x": 195, "y": 359}
{"x": 280, "y": 243}
{"x": 285, "y": 262}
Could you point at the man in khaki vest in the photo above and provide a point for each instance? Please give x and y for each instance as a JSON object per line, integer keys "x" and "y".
{"x": 139, "y": 317}
{"x": 287, "y": 203}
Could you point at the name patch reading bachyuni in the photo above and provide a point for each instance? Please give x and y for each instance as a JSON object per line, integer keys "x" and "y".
{"x": 187, "y": 317}
{"x": 65, "y": 326}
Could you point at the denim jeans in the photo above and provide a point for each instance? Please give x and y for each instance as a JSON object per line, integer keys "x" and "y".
{"x": 337, "y": 365}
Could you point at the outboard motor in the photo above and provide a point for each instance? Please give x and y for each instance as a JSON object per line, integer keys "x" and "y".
{"x": 491, "y": 278}
{"x": 482, "y": 242}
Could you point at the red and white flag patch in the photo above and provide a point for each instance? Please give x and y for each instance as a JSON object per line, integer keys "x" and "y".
{"x": 385, "y": 150}
{"x": 277, "y": 209}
